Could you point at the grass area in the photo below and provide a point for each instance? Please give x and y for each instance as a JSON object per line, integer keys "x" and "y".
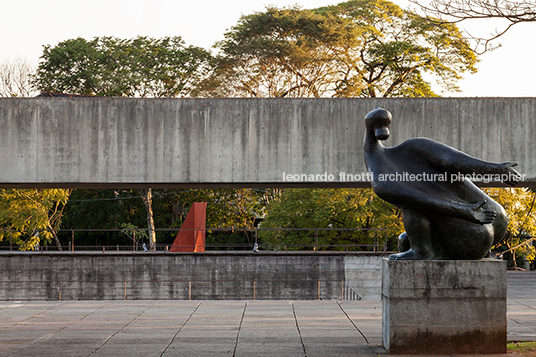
{"x": 527, "y": 349}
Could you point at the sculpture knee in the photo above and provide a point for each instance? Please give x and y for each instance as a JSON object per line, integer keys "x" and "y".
{"x": 416, "y": 223}
{"x": 403, "y": 243}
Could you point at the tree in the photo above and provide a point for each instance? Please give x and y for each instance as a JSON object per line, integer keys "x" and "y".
{"x": 286, "y": 53}
{"x": 519, "y": 204}
{"x": 360, "y": 48}
{"x": 108, "y": 66}
{"x": 15, "y": 78}
{"x": 329, "y": 208}
{"x": 146, "y": 195}
{"x": 140, "y": 67}
{"x": 513, "y": 12}
{"x": 398, "y": 46}
{"x": 30, "y": 216}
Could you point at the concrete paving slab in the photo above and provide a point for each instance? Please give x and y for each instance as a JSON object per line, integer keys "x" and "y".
{"x": 218, "y": 328}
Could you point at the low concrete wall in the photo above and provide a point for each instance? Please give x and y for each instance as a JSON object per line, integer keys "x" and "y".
{"x": 198, "y": 276}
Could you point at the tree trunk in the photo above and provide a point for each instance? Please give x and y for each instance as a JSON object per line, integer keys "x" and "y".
{"x": 58, "y": 244}
{"x": 147, "y": 197}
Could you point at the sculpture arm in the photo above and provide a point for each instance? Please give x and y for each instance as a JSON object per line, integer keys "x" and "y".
{"x": 406, "y": 197}
{"x": 453, "y": 161}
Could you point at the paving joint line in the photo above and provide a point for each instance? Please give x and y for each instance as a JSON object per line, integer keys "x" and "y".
{"x": 121, "y": 329}
{"x": 180, "y": 328}
{"x": 239, "y": 327}
{"x": 298, "y": 328}
{"x": 357, "y": 328}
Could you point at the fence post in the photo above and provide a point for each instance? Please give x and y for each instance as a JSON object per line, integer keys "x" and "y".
{"x": 72, "y": 240}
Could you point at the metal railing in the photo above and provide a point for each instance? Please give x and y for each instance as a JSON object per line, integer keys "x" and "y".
{"x": 379, "y": 237}
{"x": 347, "y": 293}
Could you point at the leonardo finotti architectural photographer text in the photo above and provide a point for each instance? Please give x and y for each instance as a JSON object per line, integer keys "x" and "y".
{"x": 405, "y": 176}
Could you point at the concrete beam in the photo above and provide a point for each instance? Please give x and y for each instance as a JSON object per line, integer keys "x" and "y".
{"x": 127, "y": 142}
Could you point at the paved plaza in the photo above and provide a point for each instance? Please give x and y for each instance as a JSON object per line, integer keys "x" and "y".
{"x": 219, "y": 328}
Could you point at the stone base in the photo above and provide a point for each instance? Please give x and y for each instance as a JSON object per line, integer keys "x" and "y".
{"x": 444, "y": 306}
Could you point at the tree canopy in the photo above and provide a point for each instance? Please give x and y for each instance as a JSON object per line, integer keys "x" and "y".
{"x": 108, "y": 66}
{"x": 287, "y": 53}
{"x": 519, "y": 204}
{"x": 360, "y": 48}
{"x": 399, "y": 46}
{"x": 330, "y": 209}
{"x": 29, "y": 216}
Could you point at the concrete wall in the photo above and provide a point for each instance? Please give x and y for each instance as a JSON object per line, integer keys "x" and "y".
{"x": 117, "y": 142}
{"x": 199, "y": 276}
{"x": 447, "y": 307}
{"x": 364, "y": 274}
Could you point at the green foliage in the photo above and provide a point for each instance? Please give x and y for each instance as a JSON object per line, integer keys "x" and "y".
{"x": 133, "y": 232}
{"x": 108, "y": 66}
{"x": 24, "y": 213}
{"x": 285, "y": 53}
{"x": 114, "y": 209}
{"x": 528, "y": 348}
{"x": 120, "y": 209}
{"x": 360, "y": 48}
{"x": 398, "y": 46}
{"x": 519, "y": 205}
{"x": 227, "y": 208}
{"x": 330, "y": 208}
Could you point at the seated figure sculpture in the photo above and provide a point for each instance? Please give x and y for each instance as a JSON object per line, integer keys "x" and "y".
{"x": 443, "y": 219}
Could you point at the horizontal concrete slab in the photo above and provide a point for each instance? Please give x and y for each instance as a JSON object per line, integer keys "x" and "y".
{"x": 128, "y": 142}
{"x": 219, "y": 328}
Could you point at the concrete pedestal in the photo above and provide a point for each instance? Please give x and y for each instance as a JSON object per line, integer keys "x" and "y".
{"x": 444, "y": 306}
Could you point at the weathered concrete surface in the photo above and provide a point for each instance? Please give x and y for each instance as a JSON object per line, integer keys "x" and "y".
{"x": 120, "y": 142}
{"x": 201, "y": 276}
{"x": 444, "y": 307}
{"x": 364, "y": 274}
{"x": 188, "y": 328}
{"x": 221, "y": 328}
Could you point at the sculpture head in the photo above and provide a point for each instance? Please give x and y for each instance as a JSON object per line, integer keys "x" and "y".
{"x": 378, "y": 121}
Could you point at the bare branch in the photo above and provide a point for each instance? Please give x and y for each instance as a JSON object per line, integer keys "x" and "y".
{"x": 16, "y": 78}
{"x": 455, "y": 11}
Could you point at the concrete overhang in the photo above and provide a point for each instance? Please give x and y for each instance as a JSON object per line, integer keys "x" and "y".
{"x": 137, "y": 142}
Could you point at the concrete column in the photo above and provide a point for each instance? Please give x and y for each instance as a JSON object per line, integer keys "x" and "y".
{"x": 444, "y": 307}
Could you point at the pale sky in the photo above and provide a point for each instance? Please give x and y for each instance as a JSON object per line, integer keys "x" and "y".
{"x": 28, "y": 25}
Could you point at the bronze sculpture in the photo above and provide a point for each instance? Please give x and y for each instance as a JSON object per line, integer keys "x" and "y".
{"x": 443, "y": 218}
